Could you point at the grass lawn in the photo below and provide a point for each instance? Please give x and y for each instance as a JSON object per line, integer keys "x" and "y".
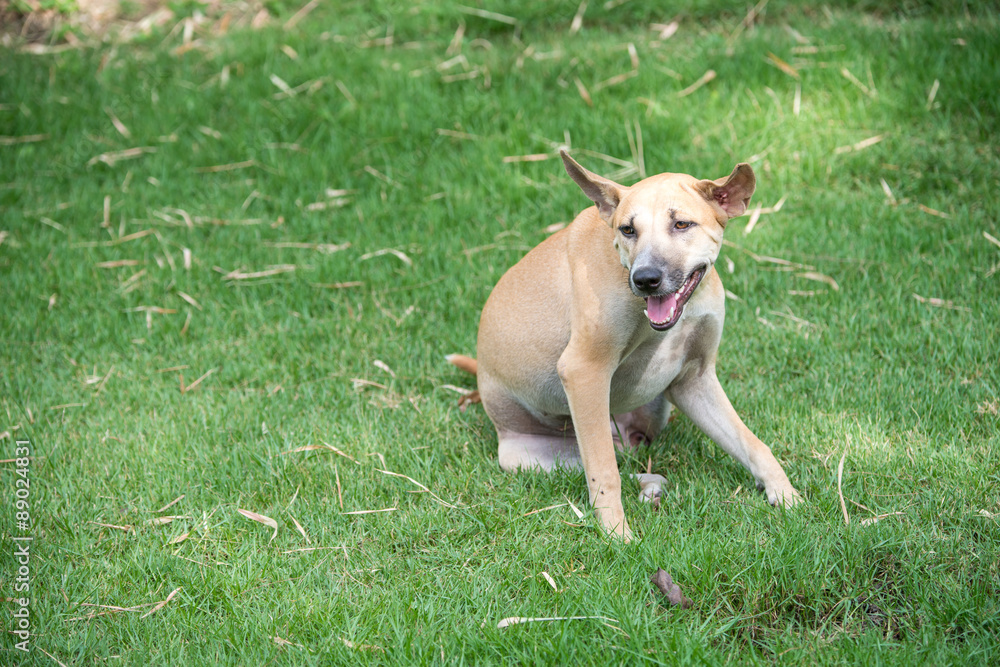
{"x": 232, "y": 262}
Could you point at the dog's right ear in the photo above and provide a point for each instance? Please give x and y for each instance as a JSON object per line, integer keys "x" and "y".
{"x": 606, "y": 194}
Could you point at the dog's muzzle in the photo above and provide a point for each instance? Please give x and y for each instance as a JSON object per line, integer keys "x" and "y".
{"x": 664, "y": 309}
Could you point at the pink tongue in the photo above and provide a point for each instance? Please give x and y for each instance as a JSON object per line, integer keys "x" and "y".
{"x": 659, "y": 307}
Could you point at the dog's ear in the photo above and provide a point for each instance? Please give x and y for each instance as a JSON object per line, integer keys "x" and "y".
{"x": 606, "y": 194}
{"x": 731, "y": 194}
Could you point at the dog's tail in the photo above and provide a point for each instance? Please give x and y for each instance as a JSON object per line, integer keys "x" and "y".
{"x": 469, "y": 365}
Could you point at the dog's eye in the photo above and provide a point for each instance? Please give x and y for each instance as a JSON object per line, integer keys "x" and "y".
{"x": 627, "y": 230}
{"x": 683, "y": 224}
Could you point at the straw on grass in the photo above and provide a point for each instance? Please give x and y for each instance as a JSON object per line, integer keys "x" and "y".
{"x": 260, "y": 518}
{"x": 161, "y": 605}
{"x": 517, "y": 620}
{"x": 840, "y": 488}
{"x": 704, "y": 79}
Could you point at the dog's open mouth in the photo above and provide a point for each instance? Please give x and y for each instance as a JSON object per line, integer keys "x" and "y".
{"x": 664, "y": 311}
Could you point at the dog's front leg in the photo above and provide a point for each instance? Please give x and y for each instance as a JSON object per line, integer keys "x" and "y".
{"x": 587, "y": 382}
{"x": 700, "y": 396}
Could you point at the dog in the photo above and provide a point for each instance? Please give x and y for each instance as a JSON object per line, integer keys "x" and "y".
{"x": 588, "y": 341}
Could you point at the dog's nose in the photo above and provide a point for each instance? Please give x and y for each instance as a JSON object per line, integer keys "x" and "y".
{"x": 647, "y": 279}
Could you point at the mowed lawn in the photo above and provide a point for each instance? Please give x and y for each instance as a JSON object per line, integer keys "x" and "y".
{"x": 233, "y": 258}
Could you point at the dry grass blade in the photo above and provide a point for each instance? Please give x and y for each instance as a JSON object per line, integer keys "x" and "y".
{"x": 281, "y": 84}
{"x": 840, "y": 488}
{"x": 769, "y": 260}
{"x": 705, "y": 78}
{"x": 491, "y": 16}
{"x": 359, "y": 512}
{"x": 239, "y": 274}
{"x": 584, "y": 93}
{"x": 456, "y": 41}
{"x": 120, "y": 126}
{"x": 536, "y": 157}
{"x": 543, "y": 509}
{"x": 360, "y": 647}
{"x": 820, "y": 277}
{"x": 325, "y": 248}
{"x": 875, "y": 519}
{"x": 940, "y": 303}
{"x": 347, "y": 94}
{"x": 577, "y": 23}
{"x": 164, "y": 520}
{"x": 195, "y": 384}
{"x": 117, "y": 263}
{"x": 518, "y": 620}
{"x": 846, "y": 73}
{"x": 126, "y": 528}
{"x": 301, "y": 14}
{"x": 302, "y": 531}
{"x": 25, "y": 139}
{"x": 161, "y": 605}
{"x": 576, "y": 510}
{"x": 861, "y": 145}
{"x": 992, "y": 239}
{"x": 343, "y": 285}
{"x": 276, "y": 639}
{"x": 783, "y": 66}
{"x": 754, "y": 217}
{"x": 454, "y": 134}
{"x": 933, "y": 211}
{"x": 550, "y": 580}
{"x": 402, "y": 256}
{"x": 232, "y": 166}
{"x": 665, "y": 30}
{"x": 378, "y": 363}
{"x": 306, "y": 549}
{"x": 260, "y": 518}
{"x": 424, "y": 488}
{"x": 133, "y": 236}
{"x": 932, "y": 94}
{"x": 337, "y": 451}
{"x": 52, "y": 657}
{"x": 116, "y": 156}
{"x": 170, "y": 504}
{"x": 615, "y": 80}
{"x": 190, "y": 299}
{"x": 888, "y": 193}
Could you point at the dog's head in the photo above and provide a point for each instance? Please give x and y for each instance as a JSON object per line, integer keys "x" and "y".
{"x": 668, "y": 230}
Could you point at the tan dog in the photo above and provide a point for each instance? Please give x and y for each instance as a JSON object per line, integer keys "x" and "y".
{"x": 569, "y": 337}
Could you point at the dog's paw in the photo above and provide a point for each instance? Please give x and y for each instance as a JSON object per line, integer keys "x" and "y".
{"x": 613, "y": 523}
{"x": 650, "y": 486}
{"x": 786, "y": 496}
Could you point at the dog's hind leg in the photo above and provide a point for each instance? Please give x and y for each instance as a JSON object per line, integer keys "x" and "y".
{"x": 523, "y": 451}
{"x": 642, "y": 425}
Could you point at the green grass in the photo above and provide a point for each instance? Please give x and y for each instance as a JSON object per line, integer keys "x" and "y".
{"x": 906, "y": 389}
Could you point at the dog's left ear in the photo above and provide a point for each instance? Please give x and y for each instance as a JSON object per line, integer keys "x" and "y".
{"x": 731, "y": 194}
{"x": 605, "y": 193}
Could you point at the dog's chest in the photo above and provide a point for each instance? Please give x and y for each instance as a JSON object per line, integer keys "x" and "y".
{"x": 648, "y": 370}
